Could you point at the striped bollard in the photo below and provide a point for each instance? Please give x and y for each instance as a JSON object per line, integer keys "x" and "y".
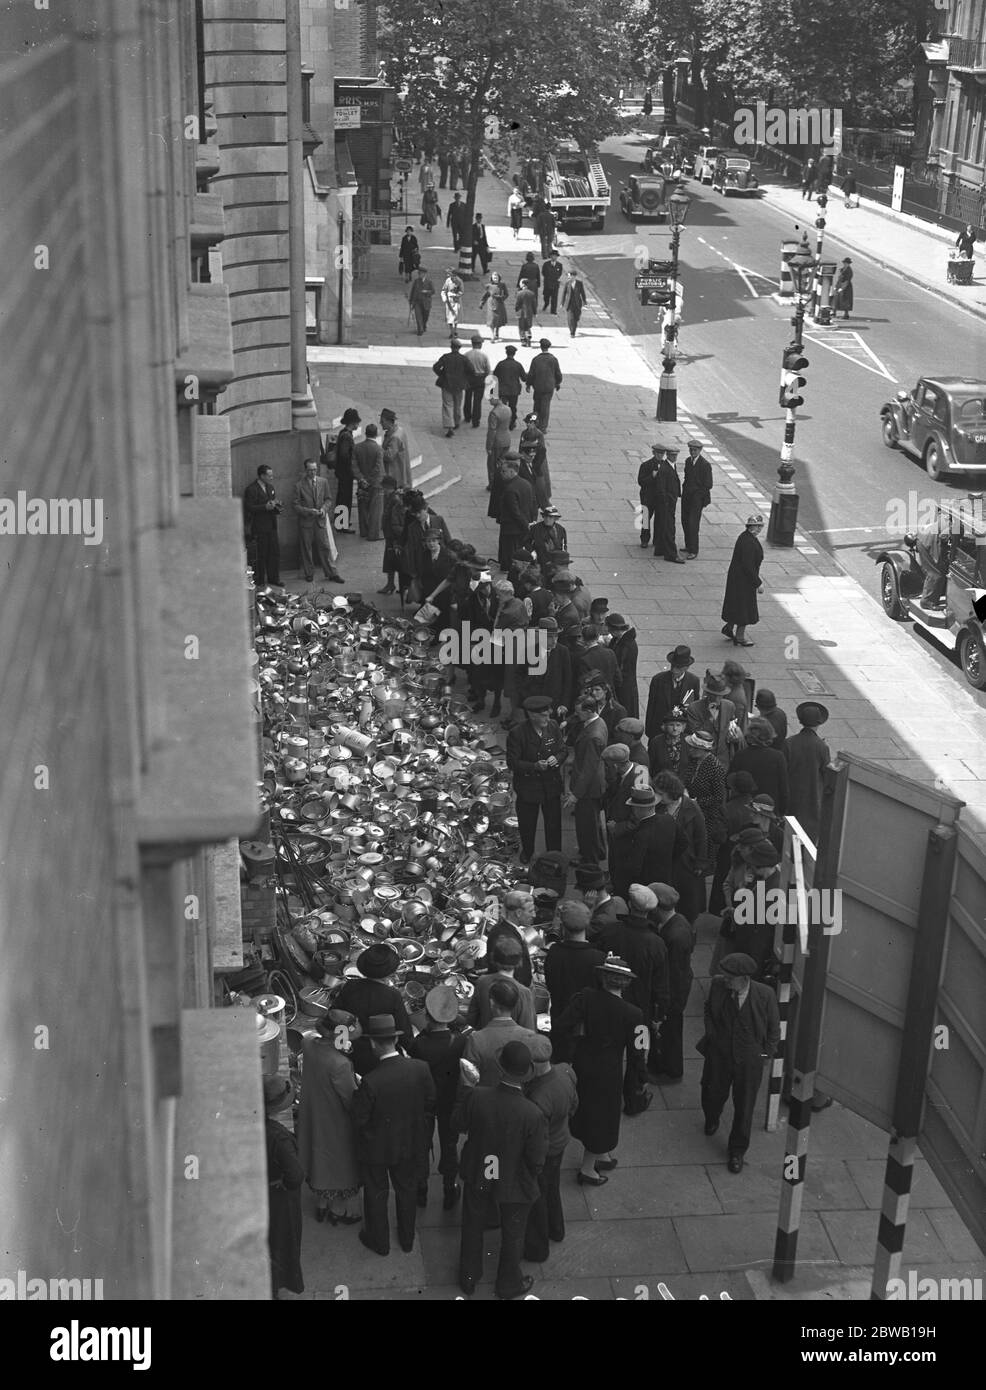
{"x": 897, "y": 1180}
{"x": 789, "y": 943}
{"x": 793, "y": 1176}
{"x": 788, "y": 249}
{"x": 465, "y": 262}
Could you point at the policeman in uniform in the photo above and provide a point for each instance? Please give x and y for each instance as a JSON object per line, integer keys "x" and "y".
{"x": 535, "y": 754}
{"x": 742, "y": 1030}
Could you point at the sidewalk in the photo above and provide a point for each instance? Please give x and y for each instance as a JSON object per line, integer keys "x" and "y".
{"x": 672, "y": 1213}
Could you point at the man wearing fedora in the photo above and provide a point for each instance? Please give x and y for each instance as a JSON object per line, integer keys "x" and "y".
{"x": 668, "y": 1060}
{"x": 671, "y": 689}
{"x": 393, "y": 1112}
{"x": 807, "y": 756}
{"x": 594, "y": 885}
{"x": 557, "y": 680}
{"x": 611, "y": 1044}
{"x": 373, "y": 994}
{"x": 484, "y": 1045}
{"x": 696, "y": 495}
{"x": 506, "y": 1148}
{"x": 285, "y": 1176}
{"x": 667, "y": 491}
{"x": 536, "y": 754}
{"x": 623, "y": 645}
{"x": 643, "y": 844}
{"x": 441, "y": 1044}
{"x": 742, "y": 1031}
{"x": 715, "y": 714}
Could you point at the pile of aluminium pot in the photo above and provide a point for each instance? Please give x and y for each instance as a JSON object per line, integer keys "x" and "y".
{"x": 391, "y": 811}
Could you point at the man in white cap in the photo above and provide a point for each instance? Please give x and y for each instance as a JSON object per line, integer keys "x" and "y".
{"x": 696, "y": 494}
{"x": 440, "y": 1043}
{"x": 636, "y": 942}
{"x": 742, "y": 1031}
{"x": 679, "y": 938}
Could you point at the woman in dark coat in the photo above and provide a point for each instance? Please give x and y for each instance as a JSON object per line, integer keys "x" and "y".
{"x": 284, "y": 1178}
{"x": 690, "y": 856}
{"x": 409, "y": 256}
{"x": 743, "y": 583}
{"x": 481, "y": 611}
{"x": 326, "y": 1138}
{"x": 345, "y": 453}
{"x": 741, "y": 789}
{"x": 624, "y": 648}
{"x": 843, "y": 288}
{"x": 533, "y": 448}
{"x": 392, "y": 526}
{"x": 766, "y": 764}
{"x": 609, "y": 1041}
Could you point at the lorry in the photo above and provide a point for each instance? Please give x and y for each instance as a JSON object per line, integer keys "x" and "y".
{"x": 575, "y": 186}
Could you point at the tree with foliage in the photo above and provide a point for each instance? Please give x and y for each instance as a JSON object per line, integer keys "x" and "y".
{"x": 543, "y": 71}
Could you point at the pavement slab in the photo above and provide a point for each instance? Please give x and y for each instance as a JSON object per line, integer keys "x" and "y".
{"x": 746, "y": 1241}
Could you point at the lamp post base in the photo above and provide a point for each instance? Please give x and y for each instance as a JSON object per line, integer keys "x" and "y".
{"x": 783, "y": 516}
{"x": 667, "y": 397}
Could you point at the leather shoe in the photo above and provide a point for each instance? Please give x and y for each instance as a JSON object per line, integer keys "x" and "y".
{"x": 525, "y": 1285}
{"x": 467, "y": 1284}
{"x": 676, "y": 560}
{"x": 735, "y": 1163}
{"x": 407, "y": 1248}
{"x": 711, "y": 1126}
{"x": 364, "y": 1239}
{"x": 604, "y": 1165}
{"x": 584, "y": 1180}
{"x": 334, "y": 578}
{"x": 448, "y": 434}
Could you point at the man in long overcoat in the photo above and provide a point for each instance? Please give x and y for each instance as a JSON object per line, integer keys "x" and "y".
{"x": 535, "y": 754}
{"x": 742, "y": 1031}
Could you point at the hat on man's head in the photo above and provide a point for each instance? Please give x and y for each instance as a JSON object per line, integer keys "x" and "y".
{"x": 714, "y": 685}
{"x": 631, "y": 726}
{"x": 381, "y": 1027}
{"x": 681, "y": 656}
{"x": 702, "y": 739}
{"x": 574, "y": 916}
{"x": 442, "y": 1004}
{"x": 765, "y": 699}
{"x": 641, "y": 899}
{"x": 547, "y": 625}
{"x": 738, "y": 964}
{"x": 590, "y": 877}
{"x": 515, "y": 1061}
{"x": 616, "y": 753}
{"x": 455, "y": 344}
{"x": 563, "y": 581}
{"x": 523, "y": 554}
{"x": 642, "y": 796}
{"x": 537, "y": 704}
{"x": 477, "y": 340}
{"x": 811, "y": 714}
{"x": 350, "y": 416}
{"x": 544, "y": 343}
{"x": 695, "y": 444}
{"x": 755, "y": 520}
{"x": 336, "y": 1018}
{"x": 278, "y": 1094}
{"x": 616, "y": 621}
{"x": 760, "y": 732}
{"x": 377, "y": 961}
{"x": 666, "y": 895}
{"x": 511, "y": 350}
{"x": 742, "y": 783}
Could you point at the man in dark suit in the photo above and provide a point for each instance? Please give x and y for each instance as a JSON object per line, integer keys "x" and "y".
{"x": 505, "y": 1150}
{"x": 480, "y": 244}
{"x": 679, "y": 938}
{"x": 742, "y": 1030}
{"x": 643, "y": 845}
{"x": 261, "y": 507}
{"x": 554, "y": 1092}
{"x": 696, "y": 494}
{"x": 671, "y": 689}
{"x": 516, "y": 509}
{"x": 570, "y": 964}
{"x": 646, "y": 954}
{"x": 510, "y": 376}
{"x": 544, "y": 379}
{"x": 596, "y": 660}
{"x": 535, "y": 754}
{"x": 392, "y": 1115}
{"x": 550, "y": 280}
{"x": 556, "y": 681}
{"x": 808, "y": 756}
{"x": 457, "y": 218}
{"x": 713, "y": 713}
{"x": 518, "y": 914}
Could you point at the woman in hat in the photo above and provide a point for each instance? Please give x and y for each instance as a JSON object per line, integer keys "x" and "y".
{"x": 705, "y": 782}
{"x": 667, "y": 751}
{"x": 285, "y": 1176}
{"x": 392, "y": 525}
{"x": 740, "y": 790}
{"x": 808, "y": 756}
{"x": 533, "y": 448}
{"x": 373, "y": 994}
{"x": 690, "y": 854}
{"x": 607, "y": 1031}
{"x": 480, "y": 614}
{"x": 766, "y": 764}
{"x": 736, "y": 679}
{"x": 345, "y": 455}
{"x": 326, "y": 1138}
{"x": 548, "y": 536}
{"x": 624, "y": 648}
{"x": 750, "y": 930}
{"x": 842, "y": 290}
{"x": 409, "y": 255}
{"x": 743, "y": 583}
{"x": 494, "y": 300}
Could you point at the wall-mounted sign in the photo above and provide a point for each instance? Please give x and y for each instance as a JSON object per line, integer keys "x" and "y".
{"x": 348, "y": 118}
{"x": 897, "y": 197}
{"x": 366, "y": 99}
{"x": 372, "y": 221}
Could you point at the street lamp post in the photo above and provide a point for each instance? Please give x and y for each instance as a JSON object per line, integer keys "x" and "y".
{"x": 667, "y": 398}
{"x": 823, "y": 315}
{"x": 784, "y": 505}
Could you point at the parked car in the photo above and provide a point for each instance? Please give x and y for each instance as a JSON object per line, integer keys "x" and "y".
{"x": 734, "y": 174}
{"x": 705, "y": 162}
{"x": 942, "y": 422}
{"x": 644, "y": 195}
{"x": 959, "y": 528}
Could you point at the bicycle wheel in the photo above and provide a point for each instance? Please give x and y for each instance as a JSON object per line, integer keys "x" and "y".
{"x": 279, "y": 982}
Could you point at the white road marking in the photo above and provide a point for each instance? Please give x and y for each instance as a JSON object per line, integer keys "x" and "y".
{"x": 878, "y": 369}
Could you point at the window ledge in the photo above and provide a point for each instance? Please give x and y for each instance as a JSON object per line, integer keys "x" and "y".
{"x": 208, "y": 221}
{"x": 209, "y": 354}
{"x": 200, "y": 785}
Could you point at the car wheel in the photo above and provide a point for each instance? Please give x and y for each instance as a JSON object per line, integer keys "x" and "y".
{"x": 890, "y": 593}
{"x": 972, "y": 655}
{"x": 934, "y": 464}
{"x": 890, "y": 435}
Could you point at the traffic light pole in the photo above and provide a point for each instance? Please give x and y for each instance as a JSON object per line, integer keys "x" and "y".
{"x": 667, "y": 396}
{"x": 816, "y": 288}
{"x": 784, "y": 504}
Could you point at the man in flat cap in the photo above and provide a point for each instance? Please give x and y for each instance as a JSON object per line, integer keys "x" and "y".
{"x": 516, "y": 509}
{"x": 536, "y": 753}
{"x": 630, "y": 732}
{"x": 544, "y": 379}
{"x": 742, "y": 1031}
{"x": 696, "y": 494}
{"x": 570, "y": 963}
{"x": 647, "y": 956}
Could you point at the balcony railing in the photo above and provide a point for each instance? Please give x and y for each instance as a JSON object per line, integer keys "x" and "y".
{"x": 967, "y": 54}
